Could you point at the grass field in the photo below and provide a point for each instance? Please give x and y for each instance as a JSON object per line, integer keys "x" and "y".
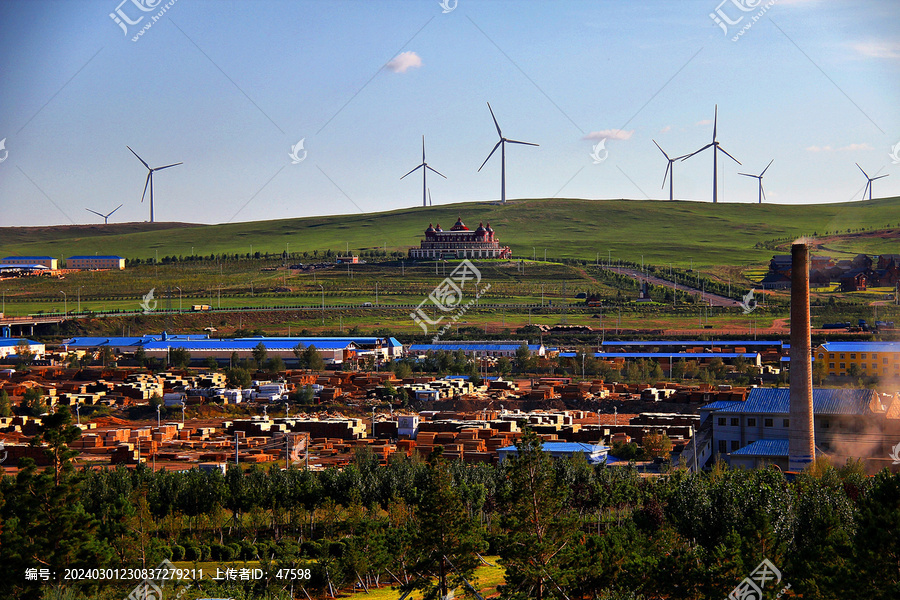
{"x": 662, "y": 232}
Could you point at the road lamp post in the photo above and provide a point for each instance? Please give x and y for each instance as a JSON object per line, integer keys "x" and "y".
{"x": 79, "y": 298}
{"x": 323, "y": 303}
{"x": 179, "y": 297}
{"x": 65, "y": 302}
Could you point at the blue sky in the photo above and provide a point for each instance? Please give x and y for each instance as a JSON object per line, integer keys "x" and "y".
{"x": 230, "y": 87}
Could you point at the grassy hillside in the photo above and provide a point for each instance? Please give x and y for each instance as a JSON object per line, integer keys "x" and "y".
{"x": 661, "y": 231}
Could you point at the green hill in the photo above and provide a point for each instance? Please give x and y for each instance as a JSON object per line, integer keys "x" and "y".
{"x": 663, "y": 232}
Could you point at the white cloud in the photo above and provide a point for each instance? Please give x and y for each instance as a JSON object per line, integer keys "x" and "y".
{"x": 847, "y": 148}
{"x": 609, "y": 134}
{"x": 877, "y": 49}
{"x": 705, "y": 122}
{"x": 404, "y": 61}
{"x": 666, "y": 129}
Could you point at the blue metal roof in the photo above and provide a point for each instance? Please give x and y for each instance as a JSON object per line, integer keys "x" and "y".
{"x": 751, "y": 355}
{"x": 6, "y": 342}
{"x": 96, "y": 342}
{"x": 472, "y": 347}
{"x": 777, "y": 400}
{"x": 764, "y": 448}
{"x": 245, "y": 344}
{"x": 694, "y": 343}
{"x": 106, "y": 256}
{"x": 360, "y": 341}
{"x": 861, "y": 346}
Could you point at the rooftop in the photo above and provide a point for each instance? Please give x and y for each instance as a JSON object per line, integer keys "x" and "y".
{"x": 777, "y": 400}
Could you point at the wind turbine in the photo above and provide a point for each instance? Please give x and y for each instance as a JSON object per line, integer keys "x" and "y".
{"x": 149, "y": 181}
{"x": 502, "y": 145}
{"x": 106, "y": 216}
{"x": 716, "y": 149}
{"x": 762, "y": 193}
{"x": 425, "y": 167}
{"x": 869, "y": 182}
{"x": 430, "y": 203}
{"x": 670, "y": 170}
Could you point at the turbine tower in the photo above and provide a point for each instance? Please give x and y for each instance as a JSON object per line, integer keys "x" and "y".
{"x": 762, "y": 193}
{"x": 425, "y": 167}
{"x": 869, "y": 181}
{"x": 502, "y": 145}
{"x": 670, "y": 170}
{"x": 106, "y": 216}
{"x": 149, "y": 182}
{"x": 716, "y": 149}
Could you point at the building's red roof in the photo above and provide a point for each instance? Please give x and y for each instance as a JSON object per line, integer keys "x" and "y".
{"x": 459, "y": 226}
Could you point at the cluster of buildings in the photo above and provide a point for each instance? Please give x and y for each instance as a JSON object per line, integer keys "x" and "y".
{"x": 856, "y": 274}
{"x": 49, "y": 263}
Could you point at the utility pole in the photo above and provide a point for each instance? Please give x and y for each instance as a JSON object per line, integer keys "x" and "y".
{"x": 236, "y": 457}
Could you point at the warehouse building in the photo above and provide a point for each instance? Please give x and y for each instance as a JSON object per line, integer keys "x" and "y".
{"x": 848, "y": 423}
{"x": 46, "y": 261}
{"x": 482, "y": 349}
{"x": 92, "y": 263}
{"x": 9, "y": 346}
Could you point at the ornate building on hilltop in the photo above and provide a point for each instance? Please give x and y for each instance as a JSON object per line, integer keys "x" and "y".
{"x": 460, "y": 242}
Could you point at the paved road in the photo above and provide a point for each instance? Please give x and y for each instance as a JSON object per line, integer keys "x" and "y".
{"x": 713, "y": 299}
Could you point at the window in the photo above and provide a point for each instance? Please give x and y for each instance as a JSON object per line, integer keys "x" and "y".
{"x": 735, "y": 445}
{"x": 821, "y": 356}
{"x": 723, "y": 447}
{"x": 825, "y": 424}
{"x": 842, "y": 356}
{"x": 786, "y": 423}
{"x": 735, "y": 422}
{"x": 751, "y": 422}
{"x": 853, "y": 356}
{"x": 863, "y": 355}
{"x": 830, "y": 365}
{"x": 843, "y": 365}
{"x": 721, "y": 421}
{"x": 874, "y": 366}
{"x": 884, "y": 361}
{"x": 767, "y": 422}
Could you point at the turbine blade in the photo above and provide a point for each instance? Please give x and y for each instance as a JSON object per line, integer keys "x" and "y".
{"x": 748, "y": 175}
{"x": 762, "y": 189}
{"x": 880, "y": 176}
{"x": 497, "y": 125}
{"x": 423, "y": 149}
{"x": 138, "y": 157}
{"x": 666, "y": 174}
{"x": 523, "y": 143}
{"x": 861, "y": 169}
{"x": 414, "y": 170}
{"x": 660, "y": 149}
{"x": 490, "y": 155}
{"x": 95, "y": 212}
{"x": 167, "y": 166}
{"x": 146, "y": 183}
{"x": 114, "y": 210}
{"x": 715, "y": 122}
{"x": 429, "y": 198}
{"x": 728, "y": 155}
{"x": 436, "y": 171}
{"x": 697, "y": 152}
{"x": 767, "y": 167}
